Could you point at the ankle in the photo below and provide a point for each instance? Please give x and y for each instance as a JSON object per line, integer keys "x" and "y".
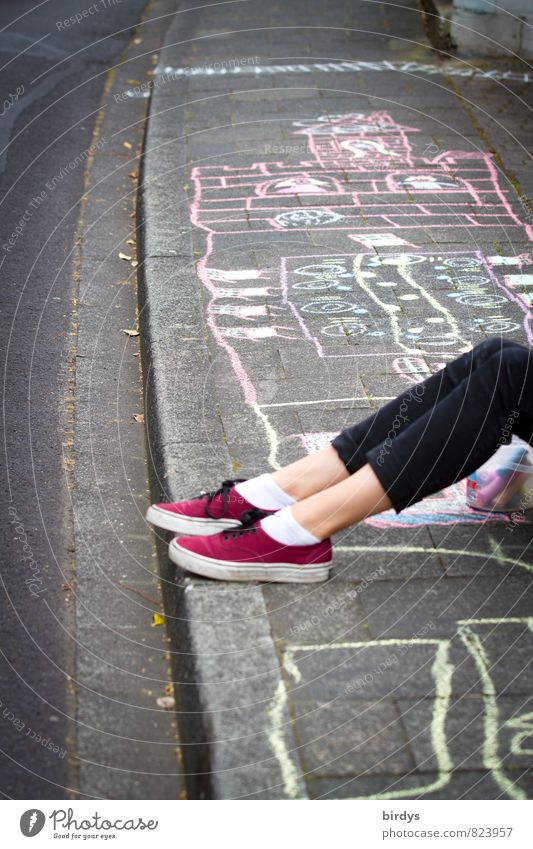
{"x": 265, "y": 493}
{"x": 283, "y": 528}
{"x": 291, "y": 488}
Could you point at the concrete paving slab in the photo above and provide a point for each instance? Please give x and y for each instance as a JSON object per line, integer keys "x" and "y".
{"x": 344, "y": 738}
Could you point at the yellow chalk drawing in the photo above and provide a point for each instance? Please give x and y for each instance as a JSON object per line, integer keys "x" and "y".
{"x": 524, "y": 724}
{"x": 450, "y": 328}
{"x": 491, "y": 759}
{"x": 441, "y": 672}
{"x": 276, "y": 735}
{"x": 290, "y": 666}
{"x": 272, "y": 437}
{"x": 421, "y": 549}
{"x": 496, "y": 550}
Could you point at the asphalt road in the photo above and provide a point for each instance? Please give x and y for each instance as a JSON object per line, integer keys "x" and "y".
{"x": 52, "y": 79}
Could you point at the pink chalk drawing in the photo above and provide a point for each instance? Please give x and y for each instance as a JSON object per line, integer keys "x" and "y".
{"x": 444, "y": 508}
{"x": 312, "y": 442}
{"x": 393, "y": 188}
{"x": 390, "y": 296}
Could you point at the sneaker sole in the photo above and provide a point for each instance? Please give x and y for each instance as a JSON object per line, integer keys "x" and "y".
{"x": 188, "y": 525}
{"x": 234, "y": 571}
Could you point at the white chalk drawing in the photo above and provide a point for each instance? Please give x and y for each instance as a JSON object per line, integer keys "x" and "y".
{"x": 307, "y": 218}
{"x": 381, "y": 66}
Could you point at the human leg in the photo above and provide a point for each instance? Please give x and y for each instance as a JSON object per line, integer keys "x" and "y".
{"x": 311, "y": 474}
{"x": 334, "y": 463}
{"x": 353, "y": 443}
{"x": 454, "y": 436}
{"x": 450, "y": 440}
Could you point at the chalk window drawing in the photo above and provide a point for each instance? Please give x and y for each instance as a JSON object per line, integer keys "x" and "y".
{"x": 301, "y": 184}
{"x": 308, "y": 218}
{"x": 428, "y": 182}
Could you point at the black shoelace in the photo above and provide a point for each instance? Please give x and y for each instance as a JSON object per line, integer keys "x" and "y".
{"x": 224, "y": 491}
{"x": 249, "y": 521}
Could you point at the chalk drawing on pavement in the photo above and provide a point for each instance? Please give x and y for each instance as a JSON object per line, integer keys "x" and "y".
{"x": 382, "y": 290}
{"x": 438, "y": 660}
{"x": 380, "y": 66}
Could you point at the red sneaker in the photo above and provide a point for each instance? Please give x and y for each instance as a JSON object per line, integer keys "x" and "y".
{"x": 204, "y": 514}
{"x": 249, "y": 554}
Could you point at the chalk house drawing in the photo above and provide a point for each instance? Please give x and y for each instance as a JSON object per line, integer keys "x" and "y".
{"x": 486, "y": 737}
{"x": 391, "y": 296}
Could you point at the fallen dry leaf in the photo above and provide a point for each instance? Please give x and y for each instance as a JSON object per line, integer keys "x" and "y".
{"x": 133, "y": 174}
{"x": 134, "y": 264}
{"x": 126, "y": 257}
{"x": 138, "y": 417}
{"x": 157, "y": 619}
{"x": 166, "y": 702}
{"x": 130, "y": 241}
{"x": 130, "y": 332}
{"x": 169, "y": 689}
{"x": 127, "y": 145}
{"x": 137, "y": 41}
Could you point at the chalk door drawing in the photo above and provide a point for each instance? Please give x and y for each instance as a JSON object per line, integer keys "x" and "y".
{"x": 487, "y": 739}
{"x": 381, "y": 302}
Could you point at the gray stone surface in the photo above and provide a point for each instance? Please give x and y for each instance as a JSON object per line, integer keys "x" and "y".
{"x": 127, "y": 744}
{"x": 347, "y": 738}
{"x": 239, "y": 683}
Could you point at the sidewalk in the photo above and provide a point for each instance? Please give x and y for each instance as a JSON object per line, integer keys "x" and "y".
{"x": 329, "y": 214}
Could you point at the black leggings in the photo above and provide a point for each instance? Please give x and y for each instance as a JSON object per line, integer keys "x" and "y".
{"x": 441, "y": 430}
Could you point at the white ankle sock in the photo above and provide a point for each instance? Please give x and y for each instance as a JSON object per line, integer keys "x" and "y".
{"x": 264, "y": 493}
{"x": 284, "y": 528}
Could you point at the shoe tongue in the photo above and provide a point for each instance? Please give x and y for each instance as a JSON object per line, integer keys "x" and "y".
{"x": 250, "y": 517}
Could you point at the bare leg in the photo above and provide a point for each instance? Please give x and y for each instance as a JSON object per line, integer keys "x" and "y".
{"x": 311, "y": 474}
{"x": 343, "y": 504}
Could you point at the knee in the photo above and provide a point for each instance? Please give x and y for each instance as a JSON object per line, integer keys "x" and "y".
{"x": 517, "y": 359}
{"x": 496, "y": 345}
{"x": 511, "y": 370}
